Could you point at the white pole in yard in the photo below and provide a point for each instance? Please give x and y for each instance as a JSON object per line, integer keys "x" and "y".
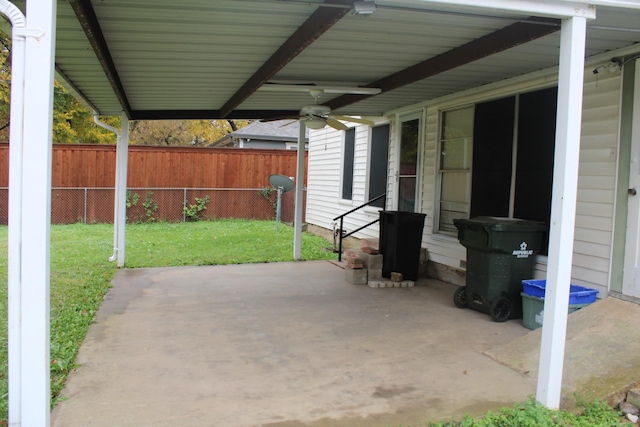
{"x": 297, "y": 221}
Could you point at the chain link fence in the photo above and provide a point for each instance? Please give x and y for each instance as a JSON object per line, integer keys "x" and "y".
{"x": 96, "y": 205}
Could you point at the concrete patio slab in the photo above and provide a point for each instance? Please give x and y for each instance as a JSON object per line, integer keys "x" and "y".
{"x": 284, "y": 344}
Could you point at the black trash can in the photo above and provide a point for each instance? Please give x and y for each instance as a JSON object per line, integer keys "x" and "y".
{"x": 400, "y": 243}
{"x": 500, "y": 255}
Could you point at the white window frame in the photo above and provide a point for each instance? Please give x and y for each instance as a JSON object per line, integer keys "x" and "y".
{"x": 438, "y": 171}
{"x": 421, "y": 117}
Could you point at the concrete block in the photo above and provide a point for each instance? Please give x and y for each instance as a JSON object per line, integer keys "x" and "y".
{"x": 375, "y": 284}
{"x": 371, "y": 261}
{"x": 375, "y": 274}
{"x": 396, "y": 277}
{"x": 355, "y": 276}
{"x": 633, "y": 397}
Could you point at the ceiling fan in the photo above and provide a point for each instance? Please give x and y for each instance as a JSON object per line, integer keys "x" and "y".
{"x": 318, "y": 116}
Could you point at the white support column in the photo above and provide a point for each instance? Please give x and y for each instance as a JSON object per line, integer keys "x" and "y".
{"x": 297, "y": 218}
{"x": 563, "y": 210}
{"x": 36, "y": 216}
{"x": 14, "y": 280}
{"x": 121, "y": 190}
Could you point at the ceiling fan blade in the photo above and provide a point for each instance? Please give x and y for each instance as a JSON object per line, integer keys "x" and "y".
{"x": 289, "y": 123}
{"x": 275, "y": 119}
{"x": 354, "y": 120}
{"x": 336, "y": 124}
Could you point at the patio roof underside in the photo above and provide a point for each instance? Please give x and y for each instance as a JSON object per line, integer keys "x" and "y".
{"x": 189, "y": 59}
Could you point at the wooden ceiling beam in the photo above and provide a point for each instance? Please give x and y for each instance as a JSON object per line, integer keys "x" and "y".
{"x": 498, "y": 41}
{"x": 89, "y": 21}
{"x": 317, "y": 24}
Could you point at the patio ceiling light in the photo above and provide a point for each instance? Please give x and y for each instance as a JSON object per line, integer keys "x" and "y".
{"x": 315, "y": 123}
{"x": 364, "y": 8}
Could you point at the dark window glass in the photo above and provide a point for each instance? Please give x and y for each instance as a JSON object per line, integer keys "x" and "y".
{"x": 379, "y": 162}
{"x": 347, "y": 167}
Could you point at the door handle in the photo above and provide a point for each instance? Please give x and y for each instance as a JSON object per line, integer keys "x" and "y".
{"x": 632, "y": 191}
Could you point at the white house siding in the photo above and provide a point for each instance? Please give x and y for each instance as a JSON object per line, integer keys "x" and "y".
{"x": 596, "y": 185}
{"x": 325, "y": 182}
{"x": 597, "y": 179}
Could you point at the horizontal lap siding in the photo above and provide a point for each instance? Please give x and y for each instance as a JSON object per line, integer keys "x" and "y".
{"x": 325, "y": 163}
{"x": 597, "y": 180}
{"x": 325, "y": 172}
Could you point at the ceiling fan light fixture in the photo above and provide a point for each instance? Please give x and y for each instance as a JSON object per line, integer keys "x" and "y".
{"x": 315, "y": 123}
{"x": 364, "y": 8}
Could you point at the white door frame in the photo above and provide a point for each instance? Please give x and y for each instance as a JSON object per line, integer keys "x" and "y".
{"x": 631, "y": 276}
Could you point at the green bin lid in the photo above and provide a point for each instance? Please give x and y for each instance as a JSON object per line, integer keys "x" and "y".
{"x": 501, "y": 224}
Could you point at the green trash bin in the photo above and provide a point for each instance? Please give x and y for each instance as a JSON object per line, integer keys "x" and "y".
{"x": 500, "y": 255}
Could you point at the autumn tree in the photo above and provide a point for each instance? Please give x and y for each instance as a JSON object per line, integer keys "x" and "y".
{"x": 182, "y": 132}
{"x": 72, "y": 121}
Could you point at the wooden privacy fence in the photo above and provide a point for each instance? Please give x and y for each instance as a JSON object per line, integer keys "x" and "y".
{"x": 162, "y": 181}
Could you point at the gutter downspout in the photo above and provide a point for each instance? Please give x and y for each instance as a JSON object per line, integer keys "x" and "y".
{"x": 96, "y": 119}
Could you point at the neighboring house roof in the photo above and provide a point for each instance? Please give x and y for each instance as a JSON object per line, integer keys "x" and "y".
{"x": 275, "y": 131}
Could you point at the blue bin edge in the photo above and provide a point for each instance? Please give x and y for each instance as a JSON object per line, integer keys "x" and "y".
{"x": 577, "y": 294}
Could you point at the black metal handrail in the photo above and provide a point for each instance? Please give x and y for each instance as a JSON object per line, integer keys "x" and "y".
{"x": 341, "y": 218}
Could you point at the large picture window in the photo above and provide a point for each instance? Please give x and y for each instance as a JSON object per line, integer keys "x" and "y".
{"x": 496, "y": 159}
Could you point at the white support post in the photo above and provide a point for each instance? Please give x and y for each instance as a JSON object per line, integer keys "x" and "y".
{"x": 14, "y": 280}
{"x": 36, "y": 216}
{"x": 563, "y": 210}
{"x": 121, "y": 190}
{"x": 297, "y": 218}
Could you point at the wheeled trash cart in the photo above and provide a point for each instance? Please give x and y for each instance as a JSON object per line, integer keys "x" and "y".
{"x": 500, "y": 255}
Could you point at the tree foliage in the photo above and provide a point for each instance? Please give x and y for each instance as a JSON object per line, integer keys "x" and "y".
{"x": 181, "y": 132}
{"x": 73, "y": 121}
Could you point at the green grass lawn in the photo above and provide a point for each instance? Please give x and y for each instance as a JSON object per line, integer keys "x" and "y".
{"x": 81, "y": 273}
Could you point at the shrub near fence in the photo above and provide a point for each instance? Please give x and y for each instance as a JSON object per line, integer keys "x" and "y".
{"x": 95, "y": 205}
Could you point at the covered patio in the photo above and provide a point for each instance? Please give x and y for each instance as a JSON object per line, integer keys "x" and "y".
{"x": 250, "y": 59}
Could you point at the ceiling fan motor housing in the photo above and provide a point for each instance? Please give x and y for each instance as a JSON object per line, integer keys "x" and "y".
{"x": 315, "y": 110}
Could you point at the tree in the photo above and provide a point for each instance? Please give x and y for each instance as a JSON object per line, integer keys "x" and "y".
{"x": 72, "y": 121}
{"x": 182, "y": 132}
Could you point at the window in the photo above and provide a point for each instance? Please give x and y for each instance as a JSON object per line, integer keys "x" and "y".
{"x": 347, "y": 163}
{"x": 407, "y": 177}
{"x": 378, "y": 164}
{"x": 455, "y": 166}
{"x": 496, "y": 159}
